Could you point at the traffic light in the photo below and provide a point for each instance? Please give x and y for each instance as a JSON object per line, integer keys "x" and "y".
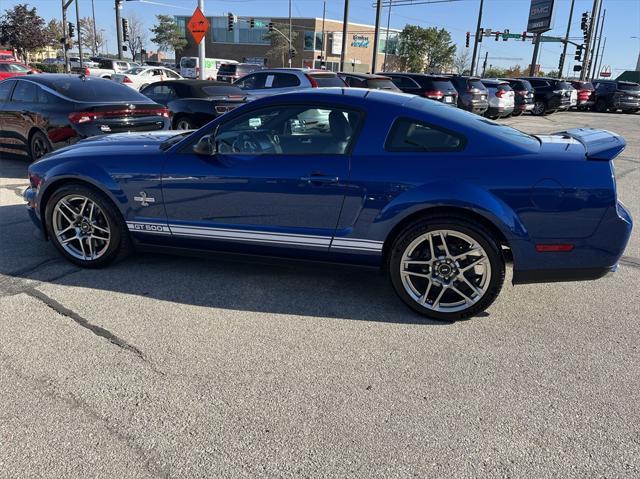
{"x": 505, "y": 35}
{"x": 72, "y": 30}
{"x": 577, "y": 68}
{"x": 125, "y": 30}
{"x": 466, "y": 43}
{"x": 292, "y": 53}
{"x": 578, "y": 54}
{"x": 560, "y": 63}
{"x": 231, "y": 20}
{"x": 497, "y": 36}
{"x": 524, "y": 36}
{"x": 584, "y": 22}
{"x": 480, "y": 34}
{"x": 270, "y": 26}
{"x": 252, "y": 23}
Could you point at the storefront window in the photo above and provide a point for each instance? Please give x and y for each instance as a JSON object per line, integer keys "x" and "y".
{"x": 319, "y": 42}
{"x": 220, "y": 30}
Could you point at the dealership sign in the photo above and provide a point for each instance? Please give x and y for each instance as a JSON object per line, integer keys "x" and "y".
{"x": 540, "y": 16}
{"x": 361, "y": 41}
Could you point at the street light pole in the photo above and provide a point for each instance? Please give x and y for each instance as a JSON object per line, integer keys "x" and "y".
{"x": 79, "y": 33}
{"x": 95, "y": 32}
{"x": 119, "y": 28}
{"x": 65, "y": 39}
{"x": 343, "y": 48}
{"x": 290, "y": 34}
{"x": 201, "y": 47}
{"x": 475, "y": 40}
{"x": 376, "y": 37}
{"x": 566, "y": 41}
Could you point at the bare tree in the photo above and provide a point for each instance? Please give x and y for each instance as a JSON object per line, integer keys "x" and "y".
{"x": 138, "y": 35}
{"x": 462, "y": 61}
{"x": 92, "y": 38}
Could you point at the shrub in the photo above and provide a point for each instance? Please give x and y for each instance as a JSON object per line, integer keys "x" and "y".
{"x": 46, "y": 68}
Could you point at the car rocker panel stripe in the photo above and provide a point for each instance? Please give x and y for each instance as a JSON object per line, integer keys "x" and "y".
{"x": 289, "y": 239}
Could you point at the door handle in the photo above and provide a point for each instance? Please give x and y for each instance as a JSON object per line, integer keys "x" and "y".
{"x": 320, "y": 179}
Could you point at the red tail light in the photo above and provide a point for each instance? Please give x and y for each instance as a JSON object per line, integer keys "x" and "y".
{"x": 314, "y": 83}
{"x": 501, "y": 93}
{"x": 126, "y": 79}
{"x": 433, "y": 94}
{"x": 554, "y": 248}
{"x": 87, "y": 72}
{"x": 80, "y": 117}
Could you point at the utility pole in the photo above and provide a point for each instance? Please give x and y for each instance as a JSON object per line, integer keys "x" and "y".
{"x": 289, "y": 33}
{"x": 475, "y": 40}
{"x": 376, "y": 37}
{"x": 201, "y": 48}
{"x": 386, "y": 42}
{"x": 95, "y": 32}
{"x": 323, "y": 51}
{"x": 594, "y": 38}
{"x": 119, "y": 28}
{"x": 65, "y": 38}
{"x": 343, "y": 48}
{"x": 597, "y": 72}
{"x": 79, "y": 33}
{"x": 566, "y": 41}
{"x": 534, "y": 58}
{"x": 587, "y": 60}
{"x": 598, "y": 37}
{"x": 484, "y": 64}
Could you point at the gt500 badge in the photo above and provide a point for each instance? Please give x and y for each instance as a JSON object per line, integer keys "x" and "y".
{"x": 149, "y": 227}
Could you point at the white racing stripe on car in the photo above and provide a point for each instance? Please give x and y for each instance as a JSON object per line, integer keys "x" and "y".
{"x": 291, "y": 239}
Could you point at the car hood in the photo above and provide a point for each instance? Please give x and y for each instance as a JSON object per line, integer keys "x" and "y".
{"x": 108, "y": 144}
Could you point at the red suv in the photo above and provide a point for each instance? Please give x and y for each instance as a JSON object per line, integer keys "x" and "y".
{"x": 586, "y": 94}
{"x": 12, "y": 69}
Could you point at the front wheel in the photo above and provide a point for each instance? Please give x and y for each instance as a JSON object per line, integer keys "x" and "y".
{"x": 184, "y": 123}
{"x": 38, "y": 146}
{"x": 446, "y": 269}
{"x": 539, "y": 108}
{"x": 85, "y": 226}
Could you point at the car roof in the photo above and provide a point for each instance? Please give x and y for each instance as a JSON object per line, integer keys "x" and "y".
{"x": 51, "y": 79}
{"x": 193, "y": 82}
{"x": 365, "y": 76}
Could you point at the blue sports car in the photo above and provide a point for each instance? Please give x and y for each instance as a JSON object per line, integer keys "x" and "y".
{"x": 438, "y": 197}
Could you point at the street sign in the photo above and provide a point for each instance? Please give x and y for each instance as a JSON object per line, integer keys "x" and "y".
{"x": 540, "y": 16}
{"x": 544, "y": 38}
{"x": 260, "y": 23}
{"x": 198, "y": 25}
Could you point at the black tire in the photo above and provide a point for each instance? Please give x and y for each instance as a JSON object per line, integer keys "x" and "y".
{"x": 600, "y": 106}
{"x": 39, "y": 145}
{"x": 516, "y": 113}
{"x": 119, "y": 245}
{"x": 183, "y": 123}
{"x": 480, "y": 236}
{"x": 539, "y": 108}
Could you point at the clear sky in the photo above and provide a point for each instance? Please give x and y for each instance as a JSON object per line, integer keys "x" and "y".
{"x": 622, "y": 21}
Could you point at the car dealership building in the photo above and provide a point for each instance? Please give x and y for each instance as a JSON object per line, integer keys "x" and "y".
{"x": 317, "y": 44}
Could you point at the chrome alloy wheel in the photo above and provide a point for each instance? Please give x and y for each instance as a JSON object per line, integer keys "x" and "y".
{"x": 445, "y": 271}
{"x": 81, "y": 227}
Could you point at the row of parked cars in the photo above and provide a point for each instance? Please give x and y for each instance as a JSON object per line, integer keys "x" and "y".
{"x": 39, "y": 113}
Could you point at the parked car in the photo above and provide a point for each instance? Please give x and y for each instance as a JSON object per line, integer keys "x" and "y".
{"x": 550, "y": 94}
{"x": 586, "y": 94}
{"x": 190, "y": 67}
{"x": 501, "y": 98}
{"x": 194, "y": 103}
{"x": 523, "y": 94}
{"x": 53, "y": 61}
{"x": 614, "y": 95}
{"x": 380, "y": 185}
{"x": 279, "y": 80}
{"x": 368, "y": 80}
{"x": 434, "y": 87}
{"x": 472, "y": 94}
{"x": 105, "y": 68}
{"x": 230, "y": 72}
{"x": 74, "y": 62}
{"x": 139, "y": 77}
{"x": 40, "y": 113}
{"x": 10, "y": 69}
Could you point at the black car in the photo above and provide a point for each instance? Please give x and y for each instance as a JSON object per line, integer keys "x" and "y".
{"x": 550, "y": 94}
{"x": 368, "y": 80}
{"x": 40, "y": 113}
{"x": 616, "y": 95}
{"x": 435, "y": 87}
{"x": 230, "y": 72}
{"x": 194, "y": 103}
{"x": 473, "y": 96}
{"x": 524, "y": 95}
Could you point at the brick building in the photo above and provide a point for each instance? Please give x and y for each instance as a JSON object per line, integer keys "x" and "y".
{"x": 317, "y": 45}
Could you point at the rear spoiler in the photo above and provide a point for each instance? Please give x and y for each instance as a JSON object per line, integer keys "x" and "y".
{"x": 600, "y": 145}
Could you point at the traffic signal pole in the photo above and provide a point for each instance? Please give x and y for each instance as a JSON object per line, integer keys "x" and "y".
{"x": 376, "y": 37}
{"x": 343, "y": 48}
{"x": 566, "y": 41}
{"x": 597, "y": 38}
{"x": 79, "y": 33}
{"x": 475, "y": 40}
{"x": 201, "y": 47}
{"x": 119, "y": 28}
{"x": 587, "y": 59}
{"x": 534, "y": 58}
{"x": 65, "y": 43}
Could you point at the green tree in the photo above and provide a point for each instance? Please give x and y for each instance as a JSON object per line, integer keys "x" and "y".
{"x": 166, "y": 34}
{"x": 440, "y": 50}
{"x": 23, "y": 29}
{"x": 280, "y": 43}
{"x": 413, "y": 48}
{"x": 53, "y": 33}
{"x": 494, "y": 72}
{"x": 515, "y": 71}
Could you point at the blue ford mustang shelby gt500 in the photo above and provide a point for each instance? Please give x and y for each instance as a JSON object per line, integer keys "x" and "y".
{"x": 440, "y": 198}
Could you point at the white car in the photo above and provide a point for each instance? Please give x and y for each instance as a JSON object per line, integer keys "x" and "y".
{"x": 139, "y": 77}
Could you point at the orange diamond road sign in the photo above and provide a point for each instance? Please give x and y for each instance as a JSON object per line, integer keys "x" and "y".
{"x": 198, "y": 25}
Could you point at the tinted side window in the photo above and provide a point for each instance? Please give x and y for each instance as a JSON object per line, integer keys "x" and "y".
{"x": 404, "y": 82}
{"x": 25, "y": 92}
{"x": 283, "y": 80}
{"x": 415, "y": 136}
{"x": 252, "y": 82}
{"x": 5, "y": 89}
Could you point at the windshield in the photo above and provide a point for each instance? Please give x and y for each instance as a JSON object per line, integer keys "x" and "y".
{"x": 134, "y": 71}
{"x": 476, "y": 84}
{"x": 226, "y": 68}
{"x": 442, "y": 85}
{"x": 189, "y": 62}
{"x": 628, "y": 86}
{"x": 96, "y": 90}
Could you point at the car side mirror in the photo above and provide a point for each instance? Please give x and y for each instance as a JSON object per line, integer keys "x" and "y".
{"x": 205, "y": 146}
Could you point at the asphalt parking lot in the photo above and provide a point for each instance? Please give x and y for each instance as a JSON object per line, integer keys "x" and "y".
{"x": 164, "y": 366}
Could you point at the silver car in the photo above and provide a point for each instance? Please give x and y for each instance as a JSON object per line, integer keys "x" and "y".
{"x": 279, "y": 80}
{"x": 501, "y": 98}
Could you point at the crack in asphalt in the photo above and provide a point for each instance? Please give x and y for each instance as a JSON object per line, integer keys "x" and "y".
{"x": 629, "y": 261}
{"x": 150, "y": 462}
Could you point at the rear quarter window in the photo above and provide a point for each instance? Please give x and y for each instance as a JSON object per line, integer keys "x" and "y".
{"x": 409, "y": 135}
{"x": 327, "y": 80}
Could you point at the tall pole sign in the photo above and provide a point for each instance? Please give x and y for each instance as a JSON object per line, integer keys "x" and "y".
{"x": 540, "y": 21}
{"x": 198, "y": 26}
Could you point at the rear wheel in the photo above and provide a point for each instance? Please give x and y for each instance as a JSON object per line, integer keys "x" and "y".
{"x": 183, "y": 123}
{"x": 539, "y": 108}
{"x": 85, "y": 226}
{"x": 446, "y": 268}
{"x": 38, "y": 145}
